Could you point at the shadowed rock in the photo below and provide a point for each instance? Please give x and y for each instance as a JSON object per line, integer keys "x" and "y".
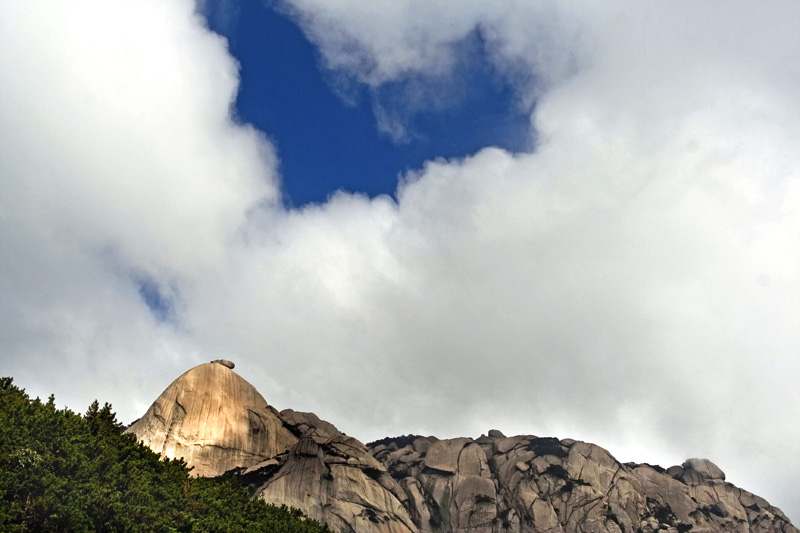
{"x": 332, "y": 478}
{"x": 697, "y": 471}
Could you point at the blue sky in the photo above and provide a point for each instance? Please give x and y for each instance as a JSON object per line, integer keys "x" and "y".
{"x": 328, "y": 142}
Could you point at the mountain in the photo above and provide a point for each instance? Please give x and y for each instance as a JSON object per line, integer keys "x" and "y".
{"x": 219, "y": 423}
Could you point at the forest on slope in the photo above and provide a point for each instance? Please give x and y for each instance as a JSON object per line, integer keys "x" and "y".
{"x": 62, "y": 471}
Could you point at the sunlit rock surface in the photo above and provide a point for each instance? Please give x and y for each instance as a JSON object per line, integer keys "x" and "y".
{"x": 215, "y": 420}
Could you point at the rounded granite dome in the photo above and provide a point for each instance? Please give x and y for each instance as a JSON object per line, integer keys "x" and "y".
{"x": 215, "y": 420}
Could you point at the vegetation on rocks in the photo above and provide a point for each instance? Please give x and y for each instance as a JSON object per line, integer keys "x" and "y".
{"x": 61, "y": 471}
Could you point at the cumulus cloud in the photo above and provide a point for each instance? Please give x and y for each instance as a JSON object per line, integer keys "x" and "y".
{"x": 120, "y": 166}
{"x": 633, "y": 281}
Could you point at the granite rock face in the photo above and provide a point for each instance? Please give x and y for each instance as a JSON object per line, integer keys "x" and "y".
{"x": 215, "y": 420}
{"x": 496, "y": 484}
{"x": 219, "y": 423}
{"x": 332, "y": 478}
{"x": 493, "y": 484}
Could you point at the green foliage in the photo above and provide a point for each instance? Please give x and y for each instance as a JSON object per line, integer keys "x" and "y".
{"x": 60, "y": 471}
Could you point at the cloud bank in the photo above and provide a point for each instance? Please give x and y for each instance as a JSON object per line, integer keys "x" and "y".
{"x": 633, "y": 281}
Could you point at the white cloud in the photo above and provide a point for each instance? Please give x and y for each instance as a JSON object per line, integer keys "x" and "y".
{"x": 634, "y": 281}
{"x": 119, "y": 159}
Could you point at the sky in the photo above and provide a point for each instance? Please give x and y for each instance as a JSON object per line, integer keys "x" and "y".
{"x": 335, "y": 119}
{"x": 570, "y": 219}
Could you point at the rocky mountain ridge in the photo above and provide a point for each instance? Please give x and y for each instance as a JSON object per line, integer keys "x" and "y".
{"x": 219, "y": 423}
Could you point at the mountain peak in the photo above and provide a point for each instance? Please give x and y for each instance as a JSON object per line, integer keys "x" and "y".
{"x": 215, "y": 420}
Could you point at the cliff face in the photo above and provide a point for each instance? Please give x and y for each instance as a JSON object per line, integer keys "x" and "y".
{"x": 525, "y": 483}
{"x": 215, "y": 420}
{"x": 218, "y": 422}
{"x": 332, "y": 478}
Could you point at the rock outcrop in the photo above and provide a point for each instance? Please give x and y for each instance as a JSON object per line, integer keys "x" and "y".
{"x": 496, "y": 484}
{"x": 332, "y": 478}
{"x": 215, "y": 420}
{"x": 219, "y": 423}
